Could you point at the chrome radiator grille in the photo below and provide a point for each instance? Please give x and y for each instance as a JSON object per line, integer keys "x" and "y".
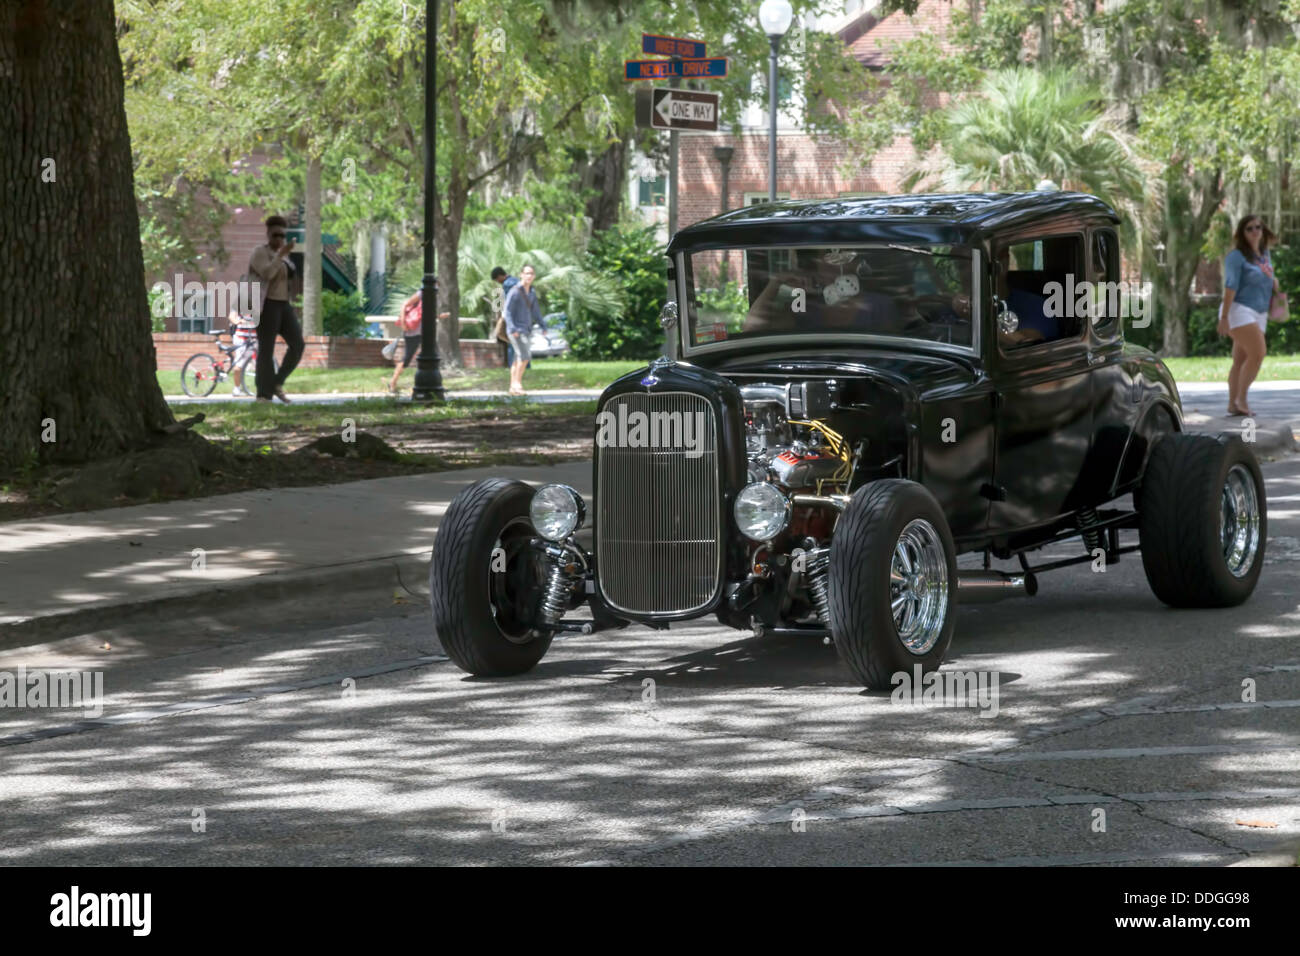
{"x": 658, "y": 512}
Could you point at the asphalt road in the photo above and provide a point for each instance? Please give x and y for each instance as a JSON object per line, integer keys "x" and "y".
{"x": 316, "y": 732}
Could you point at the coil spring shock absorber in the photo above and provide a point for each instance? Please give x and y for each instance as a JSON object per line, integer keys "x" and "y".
{"x": 1091, "y": 536}
{"x": 816, "y": 570}
{"x": 566, "y": 565}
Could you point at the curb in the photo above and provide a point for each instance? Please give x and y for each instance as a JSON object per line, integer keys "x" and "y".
{"x": 1269, "y": 440}
{"x": 389, "y": 571}
{"x": 1288, "y": 854}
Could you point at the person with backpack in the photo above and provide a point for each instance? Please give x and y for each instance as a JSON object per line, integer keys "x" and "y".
{"x": 410, "y": 322}
{"x": 522, "y": 312}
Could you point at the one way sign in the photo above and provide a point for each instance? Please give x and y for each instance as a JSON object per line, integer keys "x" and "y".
{"x": 684, "y": 109}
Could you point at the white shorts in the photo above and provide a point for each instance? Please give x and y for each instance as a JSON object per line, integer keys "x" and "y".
{"x": 1239, "y": 315}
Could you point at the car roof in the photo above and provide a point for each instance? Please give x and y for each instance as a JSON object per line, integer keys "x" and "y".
{"x": 949, "y": 218}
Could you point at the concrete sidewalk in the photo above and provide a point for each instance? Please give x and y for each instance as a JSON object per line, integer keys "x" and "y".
{"x": 64, "y": 571}
{"x": 92, "y": 564}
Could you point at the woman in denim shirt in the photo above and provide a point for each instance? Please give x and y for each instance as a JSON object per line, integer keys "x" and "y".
{"x": 1248, "y": 286}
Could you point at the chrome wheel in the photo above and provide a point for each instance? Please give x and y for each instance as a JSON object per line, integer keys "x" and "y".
{"x": 918, "y": 586}
{"x": 1239, "y": 521}
{"x": 512, "y": 581}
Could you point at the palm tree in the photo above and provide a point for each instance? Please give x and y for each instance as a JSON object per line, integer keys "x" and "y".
{"x": 1025, "y": 126}
{"x": 562, "y": 279}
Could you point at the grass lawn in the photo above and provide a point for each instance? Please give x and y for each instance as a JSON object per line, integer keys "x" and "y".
{"x": 557, "y": 373}
{"x": 546, "y": 373}
{"x": 231, "y": 420}
{"x": 1215, "y": 368}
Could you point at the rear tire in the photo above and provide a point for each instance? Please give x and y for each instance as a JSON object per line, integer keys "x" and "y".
{"x": 888, "y": 617}
{"x": 1203, "y": 521}
{"x": 199, "y": 375}
{"x": 483, "y": 609}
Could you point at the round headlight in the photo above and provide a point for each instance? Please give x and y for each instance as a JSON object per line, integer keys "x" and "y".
{"x": 557, "y": 511}
{"x": 761, "y": 511}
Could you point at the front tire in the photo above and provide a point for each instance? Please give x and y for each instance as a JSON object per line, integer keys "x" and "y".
{"x": 485, "y": 601}
{"x": 1203, "y": 521}
{"x": 893, "y": 582}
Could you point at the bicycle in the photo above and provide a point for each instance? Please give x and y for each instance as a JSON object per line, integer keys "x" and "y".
{"x": 201, "y": 373}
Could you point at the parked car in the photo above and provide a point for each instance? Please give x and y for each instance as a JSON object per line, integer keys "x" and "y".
{"x": 914, "y": 378}
{"x": 551, "y": 342}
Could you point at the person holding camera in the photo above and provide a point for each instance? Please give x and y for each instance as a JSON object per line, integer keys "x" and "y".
{"x": 271, "y": 264}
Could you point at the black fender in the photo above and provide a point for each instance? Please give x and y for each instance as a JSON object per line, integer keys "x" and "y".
{"x": 1154, "y": 418}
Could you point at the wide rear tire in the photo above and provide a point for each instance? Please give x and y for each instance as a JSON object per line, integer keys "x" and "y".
{"x": 1203, "y": 521}
{"x": 484, "y": 601}
{"x": 893, "y": 582}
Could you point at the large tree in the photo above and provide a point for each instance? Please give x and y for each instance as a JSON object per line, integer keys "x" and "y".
{"x": 76, "y": 356}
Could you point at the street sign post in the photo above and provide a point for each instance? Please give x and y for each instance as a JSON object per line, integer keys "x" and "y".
{"x": 684, "y": 109}
{"x": 675, "y": 109}
{"x": 668, "y": 69}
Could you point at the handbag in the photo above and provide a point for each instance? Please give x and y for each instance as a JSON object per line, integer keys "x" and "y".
{"x": 499, "y": 331}
{"x": 389, "y": 350}
{"x": 1279, "y": 310}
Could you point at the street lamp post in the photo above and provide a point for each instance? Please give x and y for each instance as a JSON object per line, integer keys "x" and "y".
{"x": 428, "y": 375}
{"x": 774, "y": 17}
{"x": 723, "y": 155}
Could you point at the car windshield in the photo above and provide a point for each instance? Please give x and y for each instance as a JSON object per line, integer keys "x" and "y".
{"x": 907, "y": 291}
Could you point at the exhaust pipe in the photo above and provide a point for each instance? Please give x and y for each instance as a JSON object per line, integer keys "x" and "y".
{"x": 984, "y": 587}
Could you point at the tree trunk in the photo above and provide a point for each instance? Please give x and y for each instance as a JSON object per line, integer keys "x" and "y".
{"x": 1190, "y": 205}
{"x": 311, "y": 267}
{"x": 1046, "y": 36}
{"x": 76, "y": 356}
{"x": 450, "y": 219}
{"x": 606, "y": 173}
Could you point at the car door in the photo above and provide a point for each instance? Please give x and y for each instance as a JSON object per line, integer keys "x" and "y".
{"x": 1116, "y": 394}
{"x": 1042, "y": 378}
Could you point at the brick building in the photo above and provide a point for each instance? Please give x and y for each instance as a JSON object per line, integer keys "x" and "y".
{"x": 808, "y": 167}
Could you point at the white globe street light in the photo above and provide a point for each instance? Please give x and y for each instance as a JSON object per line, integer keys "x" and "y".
{"x": 774, "y": 17}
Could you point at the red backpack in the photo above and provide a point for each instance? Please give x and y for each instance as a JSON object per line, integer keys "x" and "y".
{"x": 412, "y": 316}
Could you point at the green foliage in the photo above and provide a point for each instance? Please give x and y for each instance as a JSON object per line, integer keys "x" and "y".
{"x": 632, "y": 255}
{"x": 158, "y": 310}
{"x": 727, "y": 303}
{"x": 1026, "y": 126}
{"x": 565, "y": 279}
{"x": 556, "y": 201}
{"x": 342, "y": 315}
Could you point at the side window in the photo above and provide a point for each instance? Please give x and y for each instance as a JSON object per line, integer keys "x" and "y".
{"x": 1107, "y": 294}
{"x": 1040, "y": 281}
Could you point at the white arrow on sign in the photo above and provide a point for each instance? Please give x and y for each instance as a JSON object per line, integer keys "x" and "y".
{"x": 665, "y": 109}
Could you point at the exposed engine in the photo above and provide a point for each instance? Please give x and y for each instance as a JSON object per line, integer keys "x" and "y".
{"x": 789, "y": 441}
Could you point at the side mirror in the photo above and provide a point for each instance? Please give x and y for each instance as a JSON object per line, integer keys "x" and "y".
{"x": 1008, "y": 321}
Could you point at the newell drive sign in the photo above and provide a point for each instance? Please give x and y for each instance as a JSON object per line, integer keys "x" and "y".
{"x": 684, "y": 109}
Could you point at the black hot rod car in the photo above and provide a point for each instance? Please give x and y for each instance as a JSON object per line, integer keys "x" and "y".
{"x": 893, "y": 382}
